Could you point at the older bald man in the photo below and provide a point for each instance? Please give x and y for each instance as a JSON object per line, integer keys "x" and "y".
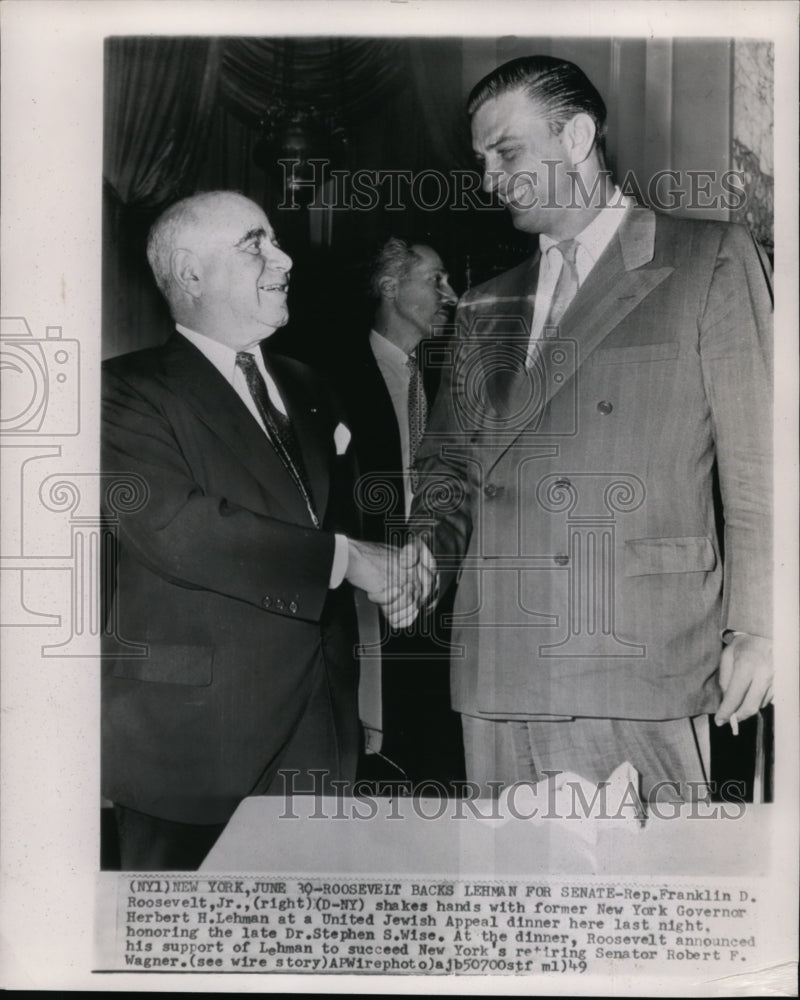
{"x": 236, "y": 573}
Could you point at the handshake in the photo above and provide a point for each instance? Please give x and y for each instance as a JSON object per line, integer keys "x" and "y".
{"x": 400, "y": 581}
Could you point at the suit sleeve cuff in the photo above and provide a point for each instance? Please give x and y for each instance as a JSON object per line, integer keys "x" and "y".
{"x": 341, "y": 556}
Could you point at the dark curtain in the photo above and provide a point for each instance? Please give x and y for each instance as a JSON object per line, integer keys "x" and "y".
{"x": 186, "y": 114}
{"x": 160, "y": 93}
{"x": 436, "y": 75}
{"x": 347, "y": 75}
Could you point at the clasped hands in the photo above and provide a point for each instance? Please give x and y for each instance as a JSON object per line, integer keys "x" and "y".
{"x": 399, "y": 580}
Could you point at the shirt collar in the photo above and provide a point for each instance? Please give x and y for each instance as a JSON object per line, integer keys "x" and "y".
{"x": 597, "y": 235}
{"x": 383, "y": 348}
{"x": 222, "y": 357}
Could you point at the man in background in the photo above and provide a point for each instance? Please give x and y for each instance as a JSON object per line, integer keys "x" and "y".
{"x": 601, "y": 394}
{"x": 235, "y": 571}
{"x": 387, "y": 394}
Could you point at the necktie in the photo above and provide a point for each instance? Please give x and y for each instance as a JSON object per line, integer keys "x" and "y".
{"x": 567, "y": 284}
{"x": 417, "y": 413}
{"x": 279, "y": 428}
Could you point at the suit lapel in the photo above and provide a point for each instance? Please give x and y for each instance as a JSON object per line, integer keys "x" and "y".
{"x": 305, "y": 416}
{"x": 215, "y": 402}
{"x": 509, "y": 329}
{"x": 615, "y": 285}
{"x": 384, "y": 427}
{"x": 377, "y": 417}
{"x": 619, "y": 281}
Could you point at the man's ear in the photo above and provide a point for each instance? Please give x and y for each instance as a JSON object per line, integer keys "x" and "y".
{"x": 388, "y": 287}
{"x": 579, "y": 135}
{"x": 186, "y": 272}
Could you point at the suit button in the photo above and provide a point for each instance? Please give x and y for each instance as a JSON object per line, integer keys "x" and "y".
{"x": 293, "y": 607}
{"x": 490, "y": 490}
{"x": 604, "y": 407}
{"x": 561, "y": 559}
{"x": 267, "y": 602}
{"x": 279, "y": 604}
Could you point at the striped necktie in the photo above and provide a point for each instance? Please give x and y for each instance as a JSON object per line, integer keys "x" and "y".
{"x": 417, "y": 413}
{"x": 279, "y": 428}
{"x": 567, "y": 284}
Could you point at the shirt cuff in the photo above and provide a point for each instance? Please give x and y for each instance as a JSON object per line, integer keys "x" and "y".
{"x": 341, "y": 556}
{"x": 729, "y": 634}
{"x": 373, "y": 739}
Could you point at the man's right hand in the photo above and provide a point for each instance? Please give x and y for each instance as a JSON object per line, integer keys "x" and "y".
{"x": 400, "y": 581}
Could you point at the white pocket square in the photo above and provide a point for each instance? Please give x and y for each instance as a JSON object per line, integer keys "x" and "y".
{"x": 341, "y": 438}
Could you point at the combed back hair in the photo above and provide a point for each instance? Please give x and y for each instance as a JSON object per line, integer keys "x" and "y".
{"x": 393, "y": 260}
{"x": 560, "y": 88}
{"x": 171, "y": 230}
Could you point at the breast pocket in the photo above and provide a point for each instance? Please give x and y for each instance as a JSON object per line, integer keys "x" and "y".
{"x": 637, "y": 353}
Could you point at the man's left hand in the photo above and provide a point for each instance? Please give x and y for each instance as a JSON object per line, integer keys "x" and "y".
{"x": 745, "y": 676}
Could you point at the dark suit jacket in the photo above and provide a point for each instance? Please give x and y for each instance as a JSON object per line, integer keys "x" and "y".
{"x": 595, "y": 576}
{"x": 376, "y": 439}
{"x": 223, "y": 576}
{"x": 420, "y": 733}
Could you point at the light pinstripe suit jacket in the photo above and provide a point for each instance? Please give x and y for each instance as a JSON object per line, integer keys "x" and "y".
{"x": 608, "y": 510}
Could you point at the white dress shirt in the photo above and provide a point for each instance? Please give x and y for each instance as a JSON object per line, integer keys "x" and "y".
{"x": 392, "y": 362}
{"x": 223, "y": 358}
{"x": 591, "y": 243}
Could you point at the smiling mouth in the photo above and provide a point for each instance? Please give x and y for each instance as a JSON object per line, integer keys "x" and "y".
{"x": 281, "y": 287}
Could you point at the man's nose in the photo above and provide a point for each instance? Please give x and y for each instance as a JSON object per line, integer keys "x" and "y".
{"x": 279, "y": 260}
{"x": 447, "y": 295}
{"x": 490, "y": 180}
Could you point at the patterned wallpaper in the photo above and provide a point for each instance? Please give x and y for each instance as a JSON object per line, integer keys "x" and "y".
{"x": 752, "y": 135}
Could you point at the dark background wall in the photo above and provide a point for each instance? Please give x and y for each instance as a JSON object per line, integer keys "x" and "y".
{"x": 193, "y": 114}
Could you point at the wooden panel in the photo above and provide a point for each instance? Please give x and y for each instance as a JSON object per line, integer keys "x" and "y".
{"x": 626, "y": 108}
{"x": 701, "y": 116}
{"x": 657, "y": 152}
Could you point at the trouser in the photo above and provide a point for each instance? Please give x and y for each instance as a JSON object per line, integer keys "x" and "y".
{"x": 149, "y": 843}
{"x": 671, "y": 756}
{"x": 323, "y": 748}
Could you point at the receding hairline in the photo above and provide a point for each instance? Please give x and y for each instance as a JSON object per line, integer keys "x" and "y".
{"x": 393, "y": 259}
{"x": 431, "y": 259}
{"x": 420, "y": 252}
{"x": 185, "y": 223}
{"x": 199, "y": 210}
